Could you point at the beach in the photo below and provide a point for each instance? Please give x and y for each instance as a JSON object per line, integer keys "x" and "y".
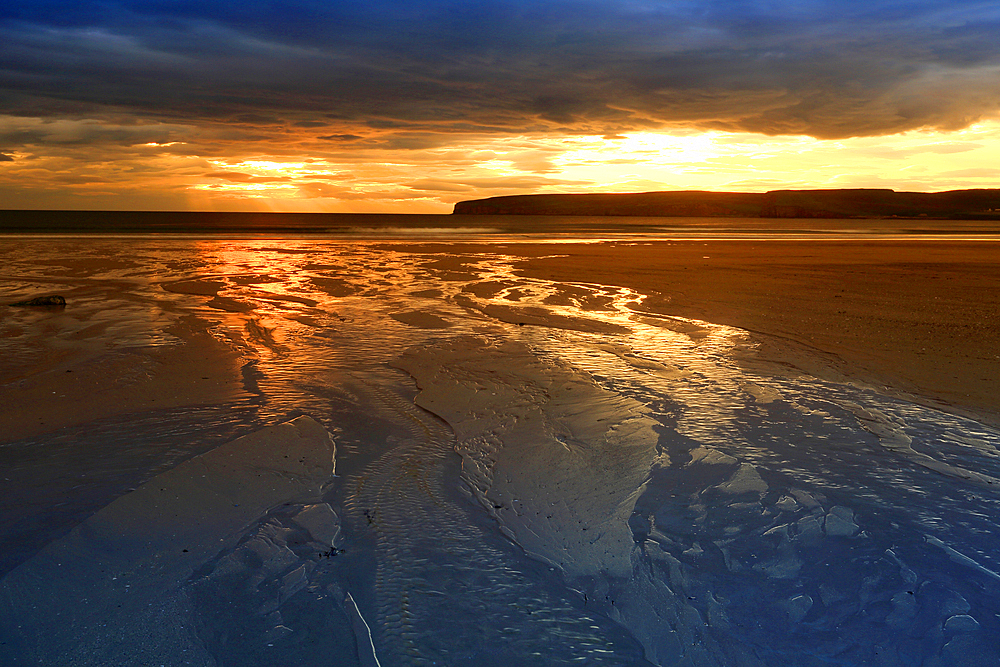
{"x": 707, "y": 452}
{"x": 617, "y": 334}
{"x": 918, "y": 317}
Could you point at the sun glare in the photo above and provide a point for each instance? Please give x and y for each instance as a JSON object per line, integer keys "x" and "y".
{"x": 918, "y": 160}
{"x": 396, "y": 180}
{"x": 270, "y": 167}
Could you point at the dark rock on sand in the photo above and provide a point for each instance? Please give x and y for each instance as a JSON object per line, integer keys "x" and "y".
{"x": 51, "y": 300}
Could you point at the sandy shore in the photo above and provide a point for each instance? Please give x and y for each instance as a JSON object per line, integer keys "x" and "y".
{"x": 921, "y": 317}
{"x": 71, "y": 387}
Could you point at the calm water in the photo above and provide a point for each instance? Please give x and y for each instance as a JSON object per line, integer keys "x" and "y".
{"x": 527, "y": 473}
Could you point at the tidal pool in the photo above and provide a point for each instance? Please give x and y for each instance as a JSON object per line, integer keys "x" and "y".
{"x": 436, "y": 461}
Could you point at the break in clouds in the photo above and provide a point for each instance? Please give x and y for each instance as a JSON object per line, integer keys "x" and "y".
{"x": 347, "y": 71}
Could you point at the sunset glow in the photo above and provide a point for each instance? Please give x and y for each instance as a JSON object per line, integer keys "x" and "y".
{"x": 179, "y": 175}
{"x": 541, "y": 333}
{"x": 215, "y": 111}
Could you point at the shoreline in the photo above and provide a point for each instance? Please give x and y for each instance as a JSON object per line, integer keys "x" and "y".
{"x": 446, "y": 227}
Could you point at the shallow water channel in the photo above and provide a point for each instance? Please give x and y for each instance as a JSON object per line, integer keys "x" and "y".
{"x": 526, "y": 473}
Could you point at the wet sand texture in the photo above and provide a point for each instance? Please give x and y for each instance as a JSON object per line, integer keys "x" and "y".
{"x": 920, "y": 316}
{"x": 627, "y": 483}
{"x": 115, "y": 348}
{"x": 110, "y": 592}
{"x": 531, "y": 429}
{"x": 421, "y": 320}
{"x": 200, "y": 371}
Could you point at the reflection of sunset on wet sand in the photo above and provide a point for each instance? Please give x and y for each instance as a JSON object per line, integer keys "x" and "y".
{"x": 355, "y": 450}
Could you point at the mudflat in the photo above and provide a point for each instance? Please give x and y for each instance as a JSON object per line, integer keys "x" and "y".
{"x": 921, "y": 317}
{"x": 916, "y": 317}
{"x": 75, "y": 388}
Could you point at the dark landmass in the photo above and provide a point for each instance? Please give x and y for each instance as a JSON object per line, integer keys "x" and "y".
{"x": 979, "y": 204}
{"x": 806, "y": 211}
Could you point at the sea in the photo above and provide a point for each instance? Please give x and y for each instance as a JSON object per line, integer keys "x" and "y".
{"x": 437, "y": 461}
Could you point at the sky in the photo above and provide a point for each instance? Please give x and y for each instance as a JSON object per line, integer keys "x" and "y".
{"x": 408, "y": 107}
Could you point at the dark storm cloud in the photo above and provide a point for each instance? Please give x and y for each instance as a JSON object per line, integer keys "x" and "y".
{"x": 829, "y": 69}
{"x": 340, "y": 137}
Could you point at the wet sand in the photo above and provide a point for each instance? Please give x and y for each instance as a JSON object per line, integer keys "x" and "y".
{"x": 920, "y": 317}
{"x": 623, "y": 488}
{"x": 201, "y": 372}
{"x": 70, "y": 386}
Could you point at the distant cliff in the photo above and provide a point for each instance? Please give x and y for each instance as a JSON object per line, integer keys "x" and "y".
{"x": 861, "y": 203}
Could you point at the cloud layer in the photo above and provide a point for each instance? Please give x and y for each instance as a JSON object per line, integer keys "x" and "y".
{"x": 348, "y": 72}
{"x": 408, "y": 106}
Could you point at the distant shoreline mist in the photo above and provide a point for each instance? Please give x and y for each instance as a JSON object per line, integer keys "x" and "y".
{"x": 218, "y": 222}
